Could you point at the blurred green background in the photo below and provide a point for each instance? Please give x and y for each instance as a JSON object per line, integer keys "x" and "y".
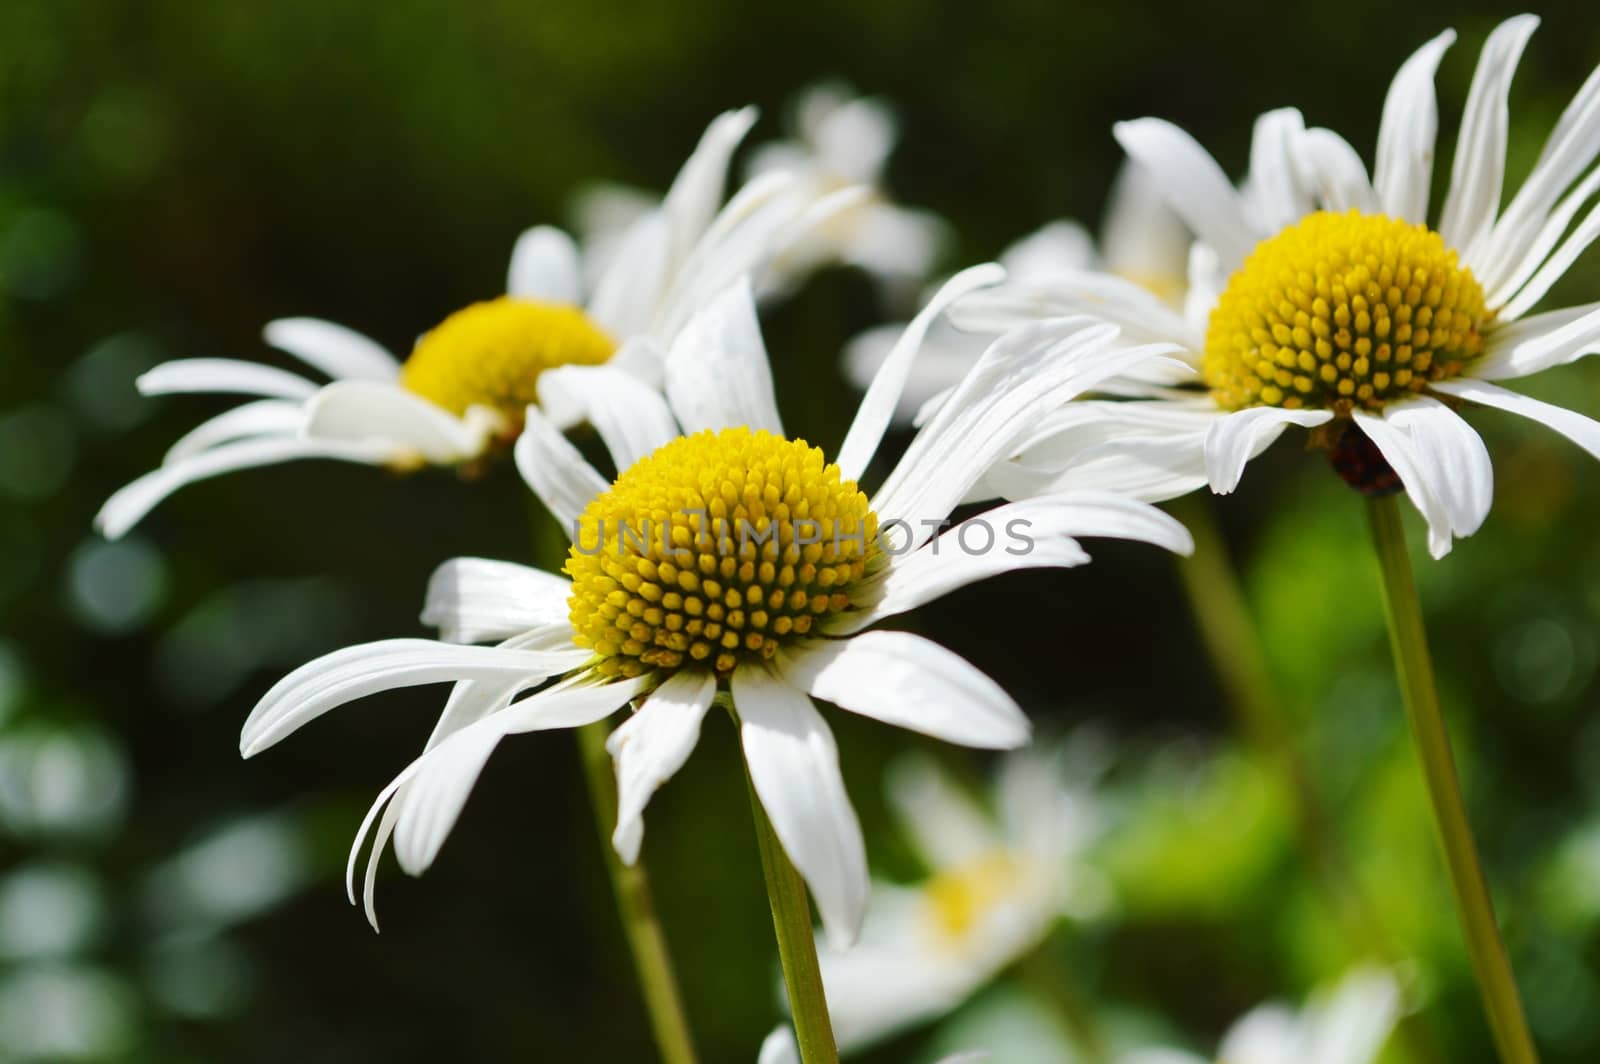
{"x": 173, "y": 175}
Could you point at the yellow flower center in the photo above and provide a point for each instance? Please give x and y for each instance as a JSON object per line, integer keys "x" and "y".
{"x": 715, "y": 549}
{"x": 1343, "y": 310}
{"x": 491, "y": 354}
{"x": 957, "y": 898}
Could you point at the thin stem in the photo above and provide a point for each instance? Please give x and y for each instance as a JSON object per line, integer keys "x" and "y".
{"x": 1409, "y": 640}
{"x": 1233, "y": 644}
{"x": 797, "y": 944}
{"x": 1056, "y": 984}
{"x": 651, "y": 960}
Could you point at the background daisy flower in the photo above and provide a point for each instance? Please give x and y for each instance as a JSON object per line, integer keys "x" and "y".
{"x": 1348, "y": 1024}
{"x": 1141, "y": 240}
{"x": 1325, "y": 298}
{"x": 462, "y": 390}
{"x": 999, "y": 881}
{"x": 770, "y": 629}
{"x": 842, "y": 140}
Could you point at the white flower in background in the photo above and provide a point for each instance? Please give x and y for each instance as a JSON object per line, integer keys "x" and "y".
{"x": 999, "y": 882}
{"x": 1141, "y": 240}
{"x": 465, "y": 384}
{"x": 769, "y": 623}
{"x": 1322, "y": 298}
{"x": 842, "y": 140}
{"x": 1347, "y": 1025}
{"x": 779, "y": 1048}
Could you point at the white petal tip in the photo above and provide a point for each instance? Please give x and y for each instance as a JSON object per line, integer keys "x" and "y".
{"x": 627, "y": 840}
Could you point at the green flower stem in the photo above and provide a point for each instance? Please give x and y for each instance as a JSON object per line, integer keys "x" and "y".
{"x": 1409, "y": 640}
{"x": 652, "y": 961}
{"x": 1045, "y": 972}
{"x": 797, "y": 944}
{"x": 1233, "y": 643}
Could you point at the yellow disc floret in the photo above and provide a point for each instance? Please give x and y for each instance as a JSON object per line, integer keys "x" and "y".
{"x": 491, "y": 354}
{"x": 959, "y": 898}
{"x": 1340, "y": 311}
{"x": 714, "y": 550}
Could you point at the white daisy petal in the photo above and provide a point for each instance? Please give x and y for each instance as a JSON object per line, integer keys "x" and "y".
{"x": 1579, "y": 428}
{"x": 1557, "y": 265}
{"x": 717, "y": 373}
{"x": 1032, "y": 534}
{"x": 1568, "y": 151}
{"x": 1140, "y": 237}
{"x": 475, "y": 600}
{"x": 263, "y": 417}
{"x": 1479, "y": 169}
{"x": 447, "y": 773}
{"x": 945, "y": 825}
{"x": 223, "y": 376}
{"x": 128, "y": 506}
{"x": 855, "y": 137}
{"x": 947, "y": 354}
{"x": 435, "y": 797}
{"x": 631, "y": 418}
{"x": 764, "y": 219}
{"x": 1235, "y": 439}
{"x": 552, "y": 467}
{"x": 1193, "y": 183}
{"x": 691, "y": 202}
{"x": 629, "y": 289}
{"x": 385, "y": 805}
{"x": 878, "y": 405}
{"x": 1133, "y": 308}
{"x": 1504, "y": 276}
{"x": 1278, "y": 197}
{"x": 1268, "y": 1034}
{"x": 357, "y": 410}
{"x": 1334, "y": 170}
{"x": 794, "y": 768}
{"x": 358, "y": 671}
{"x": 779, "y": 1047}
{"x": 893, "y": 241}
{"x": 544, "y": 267}
{"x": 1539, "y": 342}
{"x": 1059, "y": 246}
{"x": 1442, "y": 463}
{"x": 472, "y": 700}
{"x": 1352, "y": 1025}
{"x": 651, "y": 746}
{"x": 1410, "y": 125}
{"x": 1021, "y": 377}
{"x": 340, "y": 352}
{"x": 909, "y": 682}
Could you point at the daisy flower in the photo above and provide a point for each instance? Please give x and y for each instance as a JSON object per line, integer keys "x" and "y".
{"x": 999, "y": 883}
{"x": 729, "y": 561}
{"x": 462, "y": 390}
{"x": 1325, "y": 298}
{"x": 842, "y": 140}
{"x": 1141, "y": 240}
{"x": 1347, "y": 1025}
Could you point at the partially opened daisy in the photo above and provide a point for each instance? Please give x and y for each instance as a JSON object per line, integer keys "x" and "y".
{"x": 999, "y": 881}
{"x": 1141, "y": 240}
{"x": 1348, "y": 1024}
{"x": 1325, "y": 298}
{"x": 462, "y": 390}
{"x": 728, "y": 560}
{"x": 843, "y": 140}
